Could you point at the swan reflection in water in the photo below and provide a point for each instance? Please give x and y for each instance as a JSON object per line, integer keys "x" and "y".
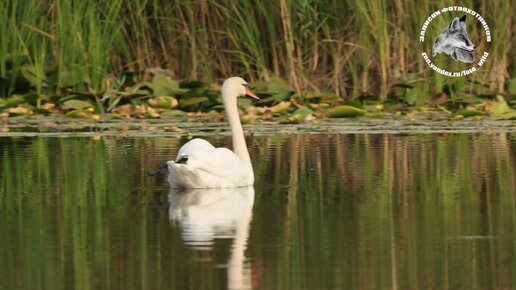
{"x": 208, "y": 214}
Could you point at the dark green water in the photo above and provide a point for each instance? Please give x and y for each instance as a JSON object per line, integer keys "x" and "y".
{"x": 342, "y": 211}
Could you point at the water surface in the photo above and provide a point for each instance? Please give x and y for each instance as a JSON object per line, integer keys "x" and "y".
{"x": 328, "y": 211}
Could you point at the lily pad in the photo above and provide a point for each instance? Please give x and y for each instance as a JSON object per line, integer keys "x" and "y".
{"x": 162, "y": 85}
{"x": 469, "y": 113}
{"x": 345, "y": 112}
{"x": 173, "y": 114}
{"x": 76, "y": 104}
{"x": 20, "y": 111}
{"x": 78, "y": 113}
{"x": 353, "y": 103}
{"x": 499, "y": 108}
{"x": 163, "y": 102}
{"x": 508, "y": 116}
{"x": 281, "y": 108}
{"x": 189, "y": 102}
{"x": 303, "y": 112}
{"x": 13, "y": 101}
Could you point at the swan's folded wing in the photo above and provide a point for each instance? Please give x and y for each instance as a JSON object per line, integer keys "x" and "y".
{"x": 224, "y": 164}
{"x": 193, "y": 147}
{"x": 215, "y": 168}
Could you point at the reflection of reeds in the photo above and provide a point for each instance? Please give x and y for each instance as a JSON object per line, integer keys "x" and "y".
{"x": 347, "y": 47}
{"x": 411, "y": 210}
{"x": 360, "y": 211}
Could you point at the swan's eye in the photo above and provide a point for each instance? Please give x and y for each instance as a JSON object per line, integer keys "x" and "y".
{"x": 245, "y": 85}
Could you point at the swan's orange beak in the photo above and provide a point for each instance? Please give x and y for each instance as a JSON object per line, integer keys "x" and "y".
{"x": 249, "y": 93}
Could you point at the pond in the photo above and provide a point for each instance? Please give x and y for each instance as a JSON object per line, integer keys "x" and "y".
{"x": 328, "y": 211}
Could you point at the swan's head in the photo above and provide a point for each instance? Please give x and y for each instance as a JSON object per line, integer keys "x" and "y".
{"x": 236, "y": 87}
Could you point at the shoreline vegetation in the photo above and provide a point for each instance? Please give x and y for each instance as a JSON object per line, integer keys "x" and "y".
{"x": 306, "y": 59}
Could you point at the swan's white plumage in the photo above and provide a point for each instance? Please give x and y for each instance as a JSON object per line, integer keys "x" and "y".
{"x": 207, "y": 167}
{"x": 210, "y": 167}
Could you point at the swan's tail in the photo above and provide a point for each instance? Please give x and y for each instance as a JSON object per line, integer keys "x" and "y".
{"x": 162, "y": 169}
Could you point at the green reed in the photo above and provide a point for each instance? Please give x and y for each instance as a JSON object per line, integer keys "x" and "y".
{"x": 348, "y": 47}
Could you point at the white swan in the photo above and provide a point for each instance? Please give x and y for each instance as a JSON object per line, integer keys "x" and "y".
{"x": 200, "y": 165}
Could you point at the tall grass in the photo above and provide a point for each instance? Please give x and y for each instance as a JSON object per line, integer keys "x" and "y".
{"x": 349, "y": 47}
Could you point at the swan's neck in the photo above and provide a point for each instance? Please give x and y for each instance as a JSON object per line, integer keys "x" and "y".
{"x": 237, "y": 133}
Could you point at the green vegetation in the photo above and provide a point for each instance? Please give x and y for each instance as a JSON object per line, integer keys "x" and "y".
{"x": 143, "y": 58}
{"x": 344, "y": 211}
